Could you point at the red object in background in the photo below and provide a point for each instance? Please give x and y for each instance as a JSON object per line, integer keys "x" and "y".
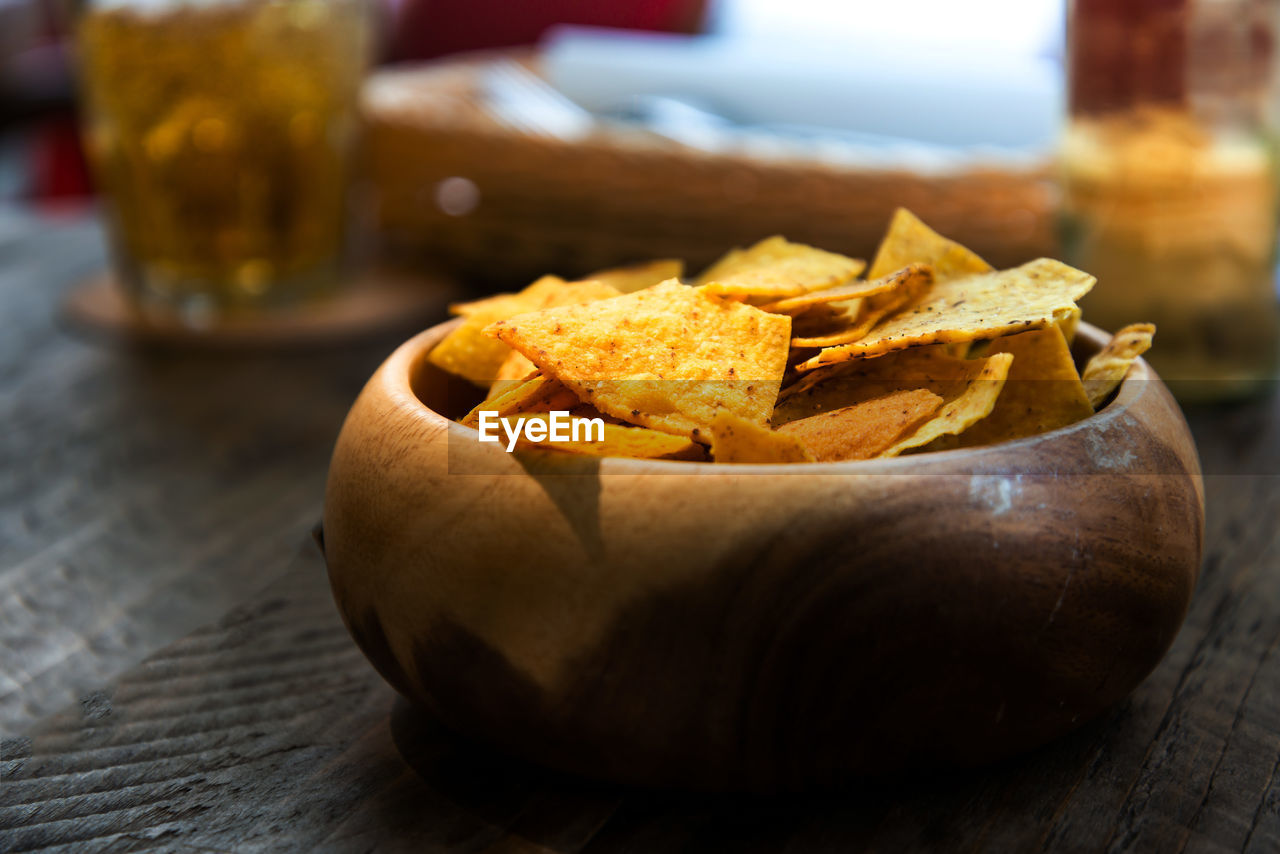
{"x": 423, "y": 29}
{"x": 1125, "y": 52}
{"x": 431, "y": 28}
{"x": 41, "y": 72}
{"x": 58, "y": 168}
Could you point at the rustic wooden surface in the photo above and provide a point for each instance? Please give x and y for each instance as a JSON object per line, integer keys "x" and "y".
{"x": 143, "y": 495}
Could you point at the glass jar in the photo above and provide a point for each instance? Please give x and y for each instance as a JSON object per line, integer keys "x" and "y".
{"x": 1169, "y": 182}
{"x": 221, "y": 134}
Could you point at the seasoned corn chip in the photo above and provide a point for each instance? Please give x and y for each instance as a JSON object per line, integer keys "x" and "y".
{"x": 1042, "y": 392}
{"x": 775, "y": 268}
{"x": 1107, "y": 369}
{"x": 863, "y": 430}
{"x": 668, "y": 357}
{"x": 468, "y": 352}
{"x": 910, "y": 241}
{"x": 637, "y": 277}
{"x": 739, "y": 440}
{"x": 972, "y": 307}
{"x": 957, "y": 415}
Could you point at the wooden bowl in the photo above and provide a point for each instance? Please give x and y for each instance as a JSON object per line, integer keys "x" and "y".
{"x": 761, "y": 627}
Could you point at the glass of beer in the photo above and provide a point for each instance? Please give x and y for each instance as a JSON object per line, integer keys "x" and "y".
{"x": 1169, "y": 178}
{"x": 221, "y": 134}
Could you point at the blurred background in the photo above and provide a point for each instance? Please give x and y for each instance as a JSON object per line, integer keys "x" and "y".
{"x": 880, "y": 70}
{"x": 493, "y": 142}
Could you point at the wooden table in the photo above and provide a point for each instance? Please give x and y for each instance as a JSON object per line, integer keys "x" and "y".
{"x": 173, "y": 674}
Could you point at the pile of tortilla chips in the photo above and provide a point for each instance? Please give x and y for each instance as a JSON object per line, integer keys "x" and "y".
{"x": 780, "y": 353}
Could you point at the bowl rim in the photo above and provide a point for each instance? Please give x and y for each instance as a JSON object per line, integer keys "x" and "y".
{"x": 402, "y": 366}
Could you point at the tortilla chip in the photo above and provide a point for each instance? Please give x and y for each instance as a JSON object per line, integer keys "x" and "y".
{"x": 1069, "y": 321}
{"x": 909, "y": 240}
{"x": 973, "y": 307}
{"x": 469, "y": 353}
{"x": 850, "y": 383}
{"x": 846, "y": 292}
{"x": 911, "y": 286}
{"x": 637, "y": 277}
{"x": 1107, "y": 369}
{"x": 567, "y": 293}
{"x": 668, "y": 357}
{"x": 515, "y": 369}
{"x": 539, "y": 393}
{"x": 826, "y": 319}
{"x": 739, "y": 440}
{"x": 956, "y": 416}
{"x": 1042, "y": 392}
{"x": 617, "y": 441}
{"x": 532, "y": 295}
{"x": 935, "y": 351}
{"x": 775, "y": 268}
{"x": 864, "y": 430}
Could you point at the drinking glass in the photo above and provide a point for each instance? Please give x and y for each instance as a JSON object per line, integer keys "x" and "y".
{"x": 221, "y": 134}
{"x": 1169, "y": 179}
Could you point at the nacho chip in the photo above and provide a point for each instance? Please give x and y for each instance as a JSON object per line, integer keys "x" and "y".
{"x": 936, "y": 351}
{"x": 568, "y": 293}
{"x": 846, "y": 292}
{"x": 864, "y": 430}
{"x": 739, "y": 440}
{"x": 955, "y": 416}
{"x": 775, "y": 268}
{"x": 515, "y": 369}
{"x": 1069, "y": 321}
{"x": 616, "y": 441}
{"x": 637, "y": 277}
{"x": 850, "y": 383}
{"x": 469, "y": 353}
{"x": 973, "y": 307}
{"x": 532, "y": 295}
{"x": 1107, "y": 369}
{"x": 910, "y": 287}
{"x": 539, "y": 393}
{"x": 911, "y": 241}
{"x": 1042, "y": 392}
{"x": 668, "y": 357}
{"x": 826, "y": 319}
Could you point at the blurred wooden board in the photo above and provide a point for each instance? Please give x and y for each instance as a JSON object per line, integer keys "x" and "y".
{"x": 376, "y": 302}
{"x": 464, "y": 183}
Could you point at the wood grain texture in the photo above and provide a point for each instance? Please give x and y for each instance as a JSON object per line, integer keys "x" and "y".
{"x": 267, "y": 730}
{"x": 142, "y": 493}
{"x": 761, "y": 627}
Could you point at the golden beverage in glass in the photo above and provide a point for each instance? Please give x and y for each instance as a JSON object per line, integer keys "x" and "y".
{"x": 1169, "y": 183}
{"x": 221, "y": 135}
{"x": 1179, "y": 225}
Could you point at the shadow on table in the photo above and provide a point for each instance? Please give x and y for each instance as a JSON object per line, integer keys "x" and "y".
{"x": 561, "y": 812}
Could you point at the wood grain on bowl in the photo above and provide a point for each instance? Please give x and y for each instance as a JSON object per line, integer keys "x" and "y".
{"x": 758, "y": 627}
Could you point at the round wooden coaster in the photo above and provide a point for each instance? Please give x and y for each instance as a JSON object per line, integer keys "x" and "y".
{"x": 378, "y": 301}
